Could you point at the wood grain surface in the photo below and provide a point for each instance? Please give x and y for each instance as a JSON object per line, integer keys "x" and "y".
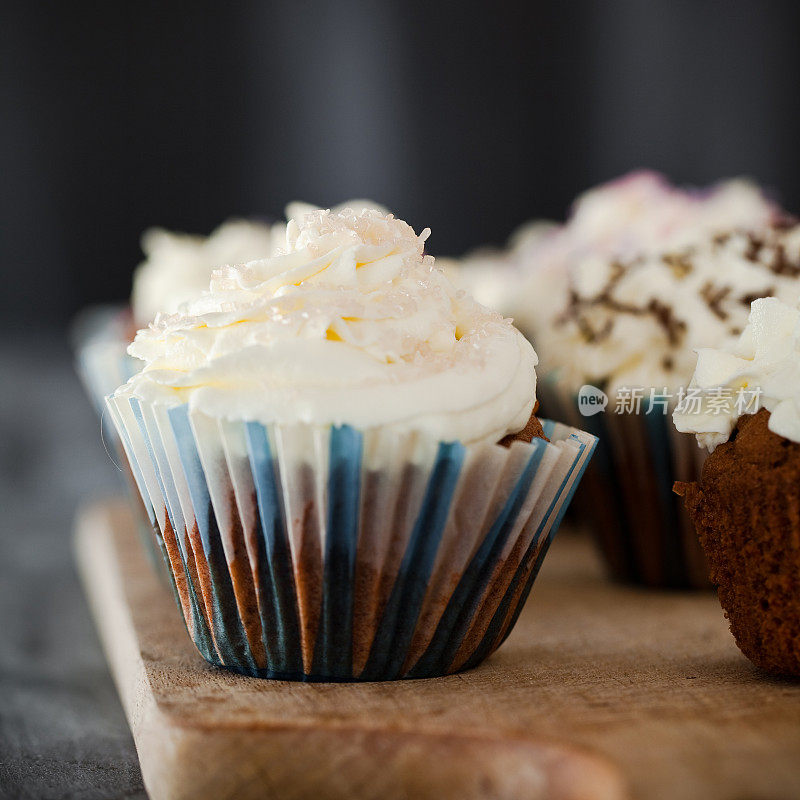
{"x": 601, "y": 692}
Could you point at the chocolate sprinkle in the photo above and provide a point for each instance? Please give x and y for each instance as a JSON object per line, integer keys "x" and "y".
{"x": 714, "y": 297}
{"x": 781, "y": 265}
{"x": 754, "y": 245}
{"x": 679, "y": 264}
{"x": 665, "y": 316}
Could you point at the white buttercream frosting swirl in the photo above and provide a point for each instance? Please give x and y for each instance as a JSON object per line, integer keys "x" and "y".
{"x": 353, "y": 324}
{"x": 762, "y": 368}
{"x": 178, "y": 266}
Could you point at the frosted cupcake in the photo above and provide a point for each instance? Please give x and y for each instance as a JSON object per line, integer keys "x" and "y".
{"x": 630, "y": 328}
{"x": 745, "y": 410}
{"x": 319, "y": 439}
{"x": 616, "y": 299}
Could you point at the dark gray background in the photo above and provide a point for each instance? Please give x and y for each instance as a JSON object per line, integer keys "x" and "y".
{"x": 62, "y": 730}
{"x": 466, "y": 117}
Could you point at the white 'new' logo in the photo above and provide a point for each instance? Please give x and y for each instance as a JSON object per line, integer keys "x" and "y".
{"x": 591, "y": 400}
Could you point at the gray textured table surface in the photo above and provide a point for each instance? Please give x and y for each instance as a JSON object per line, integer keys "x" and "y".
{"x": 62, "y": 730}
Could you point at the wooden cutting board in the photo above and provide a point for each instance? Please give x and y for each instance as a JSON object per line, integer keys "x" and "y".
{"x": 602, "y": 692}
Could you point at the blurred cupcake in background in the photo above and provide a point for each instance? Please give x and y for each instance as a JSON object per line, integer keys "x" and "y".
{"x": 178, "y": 266}
{"x": 637, "y": 214}
{"x": 342, "y": 457}
{"x": 746, "y": 504}
{"x": 494, "y": 275}
{"x": 615, "y": 301}
{"x": 177, "y": 269}
{"x": 629, "y": 329}
{"x": 100, "y": 338}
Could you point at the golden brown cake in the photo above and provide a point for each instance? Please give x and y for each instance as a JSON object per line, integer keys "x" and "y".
{"x": 746, "y": 504}
{"x": 746, "y": 508}
{"x": 532, "y": 430}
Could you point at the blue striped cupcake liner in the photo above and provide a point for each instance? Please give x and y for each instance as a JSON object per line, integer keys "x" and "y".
{"x": 626, "y": 499}
{"x": 314, "y": 553}
{"x": 100, "y": 338}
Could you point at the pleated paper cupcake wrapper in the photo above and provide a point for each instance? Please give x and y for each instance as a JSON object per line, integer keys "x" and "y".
{"x": 308, "y": 553}
{"x": 626, "y": 498}
{"x": 100, "y": 343}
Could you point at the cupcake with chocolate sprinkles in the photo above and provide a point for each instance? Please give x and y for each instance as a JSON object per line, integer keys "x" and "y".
{"x": 746, "y": 503}
{"x": 614, "y": 301}
{"x": 341, "y": 452}
{"x": 630, "y": 328}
